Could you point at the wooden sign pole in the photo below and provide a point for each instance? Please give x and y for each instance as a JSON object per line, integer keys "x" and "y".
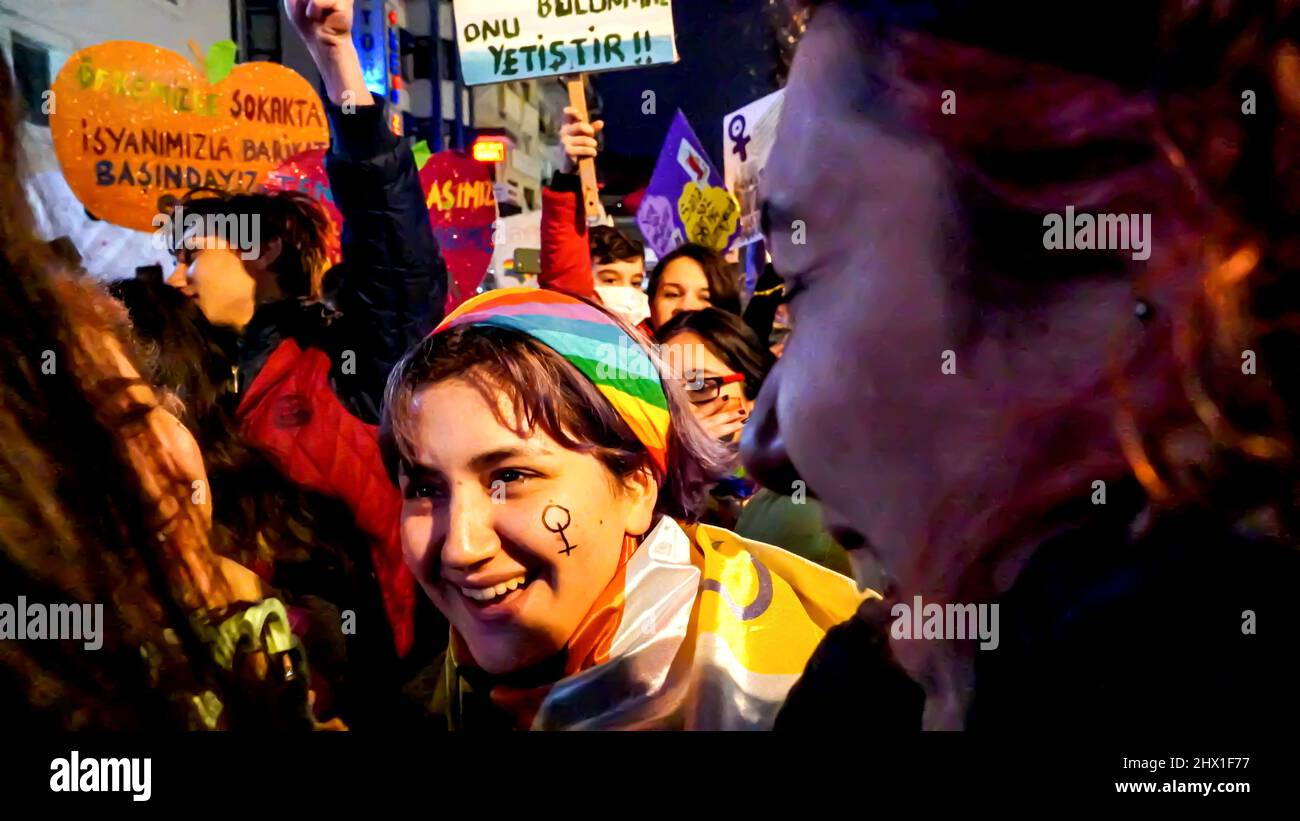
{"x": 577, "y": 84}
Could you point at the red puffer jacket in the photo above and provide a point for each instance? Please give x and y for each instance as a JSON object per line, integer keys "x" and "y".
{"x": 315, "y": 376}
{"x": 566, "y": 248}
{"x": 298, "y": 422}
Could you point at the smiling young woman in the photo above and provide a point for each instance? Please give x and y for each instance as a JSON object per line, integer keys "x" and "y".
{"x": 555, "y": 531}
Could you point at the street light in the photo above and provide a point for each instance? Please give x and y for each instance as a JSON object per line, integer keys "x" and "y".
{"x": 489, "y": 149}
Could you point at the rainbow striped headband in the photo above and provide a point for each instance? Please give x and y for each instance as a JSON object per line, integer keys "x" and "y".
{"x": 593, "y": 343}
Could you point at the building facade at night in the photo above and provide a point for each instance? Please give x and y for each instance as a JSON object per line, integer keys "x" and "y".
{"x": 511, "y": 113}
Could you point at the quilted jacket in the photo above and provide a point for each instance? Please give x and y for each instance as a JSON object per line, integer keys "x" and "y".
{"x": 312, "y": 377}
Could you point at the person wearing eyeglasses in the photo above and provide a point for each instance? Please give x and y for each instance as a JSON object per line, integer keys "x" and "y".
{"x": 721, "y": 365}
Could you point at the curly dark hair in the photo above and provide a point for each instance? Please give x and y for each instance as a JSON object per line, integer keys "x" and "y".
{"x": 94, "y": 510}
{"x": 612, "y": 245}
{"x": 260, "y": 518}
{"x": 308, "y": 546}
{"x": 77, "y": 523}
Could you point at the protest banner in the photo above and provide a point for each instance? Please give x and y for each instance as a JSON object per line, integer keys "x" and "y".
{"x": 136, "y": 126}
{"x": 747, "y": 138}
{"x": 504, "y": 40}
{"x": 686, "y": 200}
{"x": 463, "y": 210}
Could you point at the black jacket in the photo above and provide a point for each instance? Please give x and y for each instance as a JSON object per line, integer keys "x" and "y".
{"x": 389, "y": 292}
{"x": 1191, "y": 626}
{"x": 392, "y": 282}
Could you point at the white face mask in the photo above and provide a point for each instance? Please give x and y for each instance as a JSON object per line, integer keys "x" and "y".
{"x": 630, "y": 303}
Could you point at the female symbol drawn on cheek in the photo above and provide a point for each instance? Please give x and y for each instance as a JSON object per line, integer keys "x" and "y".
{"x": 556, "y": 519}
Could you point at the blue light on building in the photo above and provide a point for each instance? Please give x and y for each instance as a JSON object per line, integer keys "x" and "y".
{"x": 370, "y": 32}
{"x": 394, "y": 63}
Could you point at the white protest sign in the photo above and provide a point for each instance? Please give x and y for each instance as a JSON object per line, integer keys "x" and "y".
{"x": 513, "y": 233}
{"x": 747, "y": 137}
{"x": 505, "y": 40}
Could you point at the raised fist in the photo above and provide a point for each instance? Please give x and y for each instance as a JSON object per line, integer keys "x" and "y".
{"x": 322, "y": 24}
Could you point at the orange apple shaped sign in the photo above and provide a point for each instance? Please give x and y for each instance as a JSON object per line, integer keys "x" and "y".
{"x": 135, "y": 126}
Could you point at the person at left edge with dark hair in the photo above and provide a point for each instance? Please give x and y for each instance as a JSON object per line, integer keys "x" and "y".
{"x": 310, "y": 377}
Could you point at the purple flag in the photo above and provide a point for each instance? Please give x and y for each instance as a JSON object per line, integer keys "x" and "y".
{"x": 687, "y": 200}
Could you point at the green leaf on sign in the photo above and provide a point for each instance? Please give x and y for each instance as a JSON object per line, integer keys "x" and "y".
{"x": 221, "y": 60}
{"x": 422, "y": 153}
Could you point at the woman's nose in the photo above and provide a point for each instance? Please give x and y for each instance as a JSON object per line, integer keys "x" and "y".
{"x": 470, "y": 539}
{"x": 762, "y": 445}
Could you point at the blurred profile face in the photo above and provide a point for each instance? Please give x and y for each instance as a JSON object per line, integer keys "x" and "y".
{"x": 157, "y": 446}
{"x": 682, "y": 287}
{"x": 172, "y": 472}
{"x": 625, "y": 273}
{"x": 212, "y": 273}
{"x": 134, "y": 409}
{"x": 485, "y": 519}
{"x": 857, "y": 405}
{"x": 698, "y": 365}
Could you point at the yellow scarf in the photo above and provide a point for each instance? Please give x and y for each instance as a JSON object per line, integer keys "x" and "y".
{"x": 713, "y": 632}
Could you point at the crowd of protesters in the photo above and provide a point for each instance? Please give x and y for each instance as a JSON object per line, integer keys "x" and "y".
{"x": 309, "y": 499}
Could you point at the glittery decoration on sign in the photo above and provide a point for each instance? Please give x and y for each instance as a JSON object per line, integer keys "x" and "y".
{"x": 463, "y": 207}
{"x": 136, "y": 126}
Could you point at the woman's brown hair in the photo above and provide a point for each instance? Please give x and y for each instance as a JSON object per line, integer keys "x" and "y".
{"x": 298, "y": 221}
{"x": 91, "y": 509}
{"x": 724, "y": 289}
{"x": 549, "y": 393}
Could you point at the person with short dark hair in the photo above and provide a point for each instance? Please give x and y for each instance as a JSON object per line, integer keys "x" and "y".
{"x": 310, "y": 374}
{"x": 556, "y": 532}
{"x": 616, "y": 259}
{"x": 721, "y": 366}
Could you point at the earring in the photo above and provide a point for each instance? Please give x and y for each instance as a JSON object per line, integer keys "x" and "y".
{"x": 1143, "y": 311}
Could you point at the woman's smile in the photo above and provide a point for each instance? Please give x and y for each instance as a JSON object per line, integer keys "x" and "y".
{"x": 497, "y": 601}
